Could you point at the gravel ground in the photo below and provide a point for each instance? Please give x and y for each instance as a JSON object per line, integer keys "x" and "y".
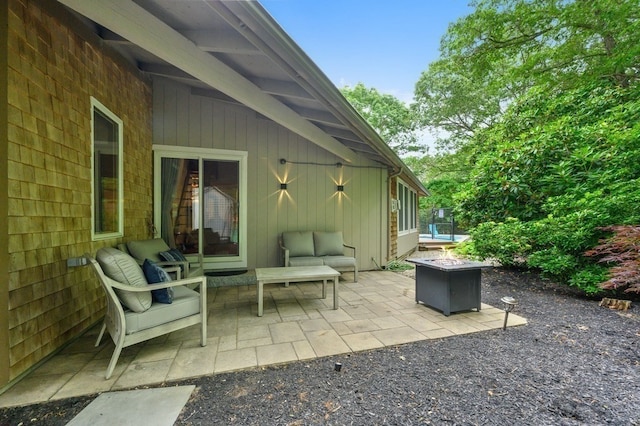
{"x": 575, "y": 363}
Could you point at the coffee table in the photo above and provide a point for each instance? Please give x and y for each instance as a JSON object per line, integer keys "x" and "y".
{"x": 297, "y": 274}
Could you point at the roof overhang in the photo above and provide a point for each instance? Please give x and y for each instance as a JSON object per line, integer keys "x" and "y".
{"x": 235, "y": 51}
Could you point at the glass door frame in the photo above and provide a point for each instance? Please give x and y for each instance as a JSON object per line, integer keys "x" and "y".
{"x": 203, "y": 154}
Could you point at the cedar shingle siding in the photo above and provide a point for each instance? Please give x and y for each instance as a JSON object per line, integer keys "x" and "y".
{"x": 53, "y": 70}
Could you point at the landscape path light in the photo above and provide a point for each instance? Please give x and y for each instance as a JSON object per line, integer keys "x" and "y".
{"x": 509, "y": 304}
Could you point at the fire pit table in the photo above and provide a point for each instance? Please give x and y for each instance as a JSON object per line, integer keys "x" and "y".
{"x": 450, "y": 285}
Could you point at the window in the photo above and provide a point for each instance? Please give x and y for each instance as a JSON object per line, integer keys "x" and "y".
{"x": 408, "y": 204}
{"x": 200, "y": 203}
{"x": 106, "y": 160}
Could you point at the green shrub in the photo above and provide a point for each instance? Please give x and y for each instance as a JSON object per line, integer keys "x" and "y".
{"x": 553, "y": 262}
{"x": 565, "y": 165}
{"x": 506, "y": 242}
{"x": 589, "y": 278}
{"x": 398, "y": 265}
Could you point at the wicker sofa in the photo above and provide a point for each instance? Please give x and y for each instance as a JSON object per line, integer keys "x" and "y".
{"x": 316, "y": 248}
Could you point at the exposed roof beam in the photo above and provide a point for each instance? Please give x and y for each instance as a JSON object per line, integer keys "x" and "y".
{"x": 112, "y": 37}
{"x": 361, "y": 147}
{"x": 207, "y": 40}
{"x": 213, "y": 94}
{"x": 319, "y": 116}
{"x": 165, "y": 70}
{"x": 220, "y": 41}
{"x": 135, "y": 24}
{"x": 282, "y": 88}
{"x": 341, "y": 133}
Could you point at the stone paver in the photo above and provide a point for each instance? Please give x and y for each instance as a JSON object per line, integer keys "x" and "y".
{"x": 362, "y": 341}
{"x": 276, "y": 354}
{"x": 326, "y": 342}
{"x": 236, "y": 359}
{"x": 379, "y": 310}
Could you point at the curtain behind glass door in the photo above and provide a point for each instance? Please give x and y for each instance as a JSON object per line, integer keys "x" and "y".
{"x": 179, "y": 203}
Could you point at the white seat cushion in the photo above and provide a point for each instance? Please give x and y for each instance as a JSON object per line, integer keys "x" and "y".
{"x": 339, "y": 261}
{"x": 186, "y": 302}
{"x": 305, "y": 261}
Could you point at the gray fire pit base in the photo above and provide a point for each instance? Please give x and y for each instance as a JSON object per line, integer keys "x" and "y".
{"x": 449, "y": 289}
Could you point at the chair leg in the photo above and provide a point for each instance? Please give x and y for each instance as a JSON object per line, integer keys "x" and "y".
{"x": 104, "y": 327}
{"x": 114, "y": 359}
{"x": 203, "y": 331}
{"x": 355, "y": 274}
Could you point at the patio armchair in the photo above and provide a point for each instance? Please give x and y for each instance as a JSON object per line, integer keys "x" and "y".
{"x": 132, "y": 315}
{"x": 160, "y": 253}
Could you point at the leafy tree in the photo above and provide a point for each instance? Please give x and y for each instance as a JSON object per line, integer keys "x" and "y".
{"x": 392, "y": 119}
{"x": 562, "y": 165}
{"x": 542, "y": 98}
{"x": 505, "y": 47}
{"x": 450, "y": 98}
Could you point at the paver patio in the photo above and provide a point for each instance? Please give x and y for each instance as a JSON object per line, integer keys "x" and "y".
{"x": 379, "y": 310}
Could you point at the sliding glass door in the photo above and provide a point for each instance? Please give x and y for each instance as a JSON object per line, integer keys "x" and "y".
{"x": 200, "y": 203}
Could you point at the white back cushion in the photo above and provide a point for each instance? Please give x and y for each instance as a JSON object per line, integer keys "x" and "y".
{"x": 123, "y": 268}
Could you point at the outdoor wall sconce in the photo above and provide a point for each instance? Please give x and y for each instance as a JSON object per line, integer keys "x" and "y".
{"x": 340, "y": 188}
{"x": 74, "y": 262}
{"x": 283, "y": 186}
{"x": 509, "y": 304}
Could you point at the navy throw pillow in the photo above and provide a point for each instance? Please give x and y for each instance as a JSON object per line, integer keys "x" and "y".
{"x": 155, "y": 274}
{"x": 173, "y": 255}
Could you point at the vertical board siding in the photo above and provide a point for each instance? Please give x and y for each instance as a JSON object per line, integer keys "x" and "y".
{"x": 310, "y": 202}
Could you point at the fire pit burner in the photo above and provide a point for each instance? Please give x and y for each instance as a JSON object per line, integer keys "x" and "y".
{"x": 450, "y": 285}
{"x": 447, "y": 261}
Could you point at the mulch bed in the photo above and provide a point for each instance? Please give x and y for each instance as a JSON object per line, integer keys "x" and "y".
{"x": 574, "y": 363}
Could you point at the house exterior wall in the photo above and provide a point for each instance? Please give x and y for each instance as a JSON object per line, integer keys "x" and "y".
{"x": 311, "y": 201}
{"x": 393, "y": 221}
{"x": 4, "y": 244}
{"x": 407, "y": 243}
{"x": 52, "y": 69}
{"x": 401, "y": 244}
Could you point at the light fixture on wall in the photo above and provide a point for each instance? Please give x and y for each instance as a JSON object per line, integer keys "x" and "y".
{"x": 340, "y": 188}
{"x": 74, "y": 262}
{"x": 283, "y": 186}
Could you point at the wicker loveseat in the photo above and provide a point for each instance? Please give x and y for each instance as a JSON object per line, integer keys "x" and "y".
{"x": 316, "y": 248}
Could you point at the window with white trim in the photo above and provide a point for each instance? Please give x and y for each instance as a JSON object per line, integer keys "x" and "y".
{"x": 107, "y": 177}
{"x": 407, "y": 204}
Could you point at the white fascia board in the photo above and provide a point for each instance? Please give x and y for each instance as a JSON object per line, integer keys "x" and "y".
{"x": 135, "y": 24}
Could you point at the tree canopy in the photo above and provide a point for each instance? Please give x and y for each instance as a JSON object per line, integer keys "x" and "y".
{"x": 538, "y": 106}
{"x": 505, "y": 47}
{"x": 541, "y": 102}
{"x": 392, "y": 119}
